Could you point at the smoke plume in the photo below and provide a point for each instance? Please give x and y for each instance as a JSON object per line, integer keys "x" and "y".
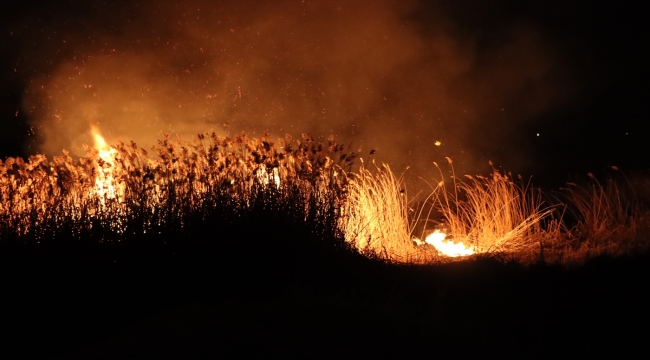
{"x": 390, "y": 75}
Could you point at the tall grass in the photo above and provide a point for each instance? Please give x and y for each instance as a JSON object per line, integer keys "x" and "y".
{"x": 213, "y": 177}
{"x": 210, "y": 176}
{"x": 605, "y": 217}
{"x": 490, "y": 214}
{"x": 498, "y": 214}
{"x": 376, "y": 216}
{"x": 494, "y": 213}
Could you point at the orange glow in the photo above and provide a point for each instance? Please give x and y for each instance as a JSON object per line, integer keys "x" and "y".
{"x": 97, "y": 192}
{"x": 448, "y": 247}
{"x": 264, "y": 177}
{"x": 106, "y": 187}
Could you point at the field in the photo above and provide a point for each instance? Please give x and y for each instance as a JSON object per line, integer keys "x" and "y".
{"x": 247, "y": 248}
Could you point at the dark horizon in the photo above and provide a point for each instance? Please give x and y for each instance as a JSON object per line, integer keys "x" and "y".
{"x": 485, "y": 78}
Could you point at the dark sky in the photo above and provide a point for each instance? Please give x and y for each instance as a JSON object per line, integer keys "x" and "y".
{"x": 482, "y": 77}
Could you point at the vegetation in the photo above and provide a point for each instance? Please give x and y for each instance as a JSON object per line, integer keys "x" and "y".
{"x": 129, "y": 195}
{"x": 122, "y": 195}
{"x": 239, "y": 247}
{"x": 377, "y": 218}
{"x": 605, "y": 218}
{"x": 496, "y": 214}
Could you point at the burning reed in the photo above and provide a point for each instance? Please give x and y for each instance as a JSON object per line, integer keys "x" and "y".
{"x": 495, "y": 213}
{"x": 377, "y": 220}
{"x": 121, "y": 192}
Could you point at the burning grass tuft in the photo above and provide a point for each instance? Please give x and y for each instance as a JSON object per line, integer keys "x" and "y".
{"x": 376, "y": 217}
{"x": 477, "y": 215}
{"x": 495, "y": 213}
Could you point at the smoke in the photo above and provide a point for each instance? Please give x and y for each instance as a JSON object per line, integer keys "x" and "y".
{"x": 390, "y": 75}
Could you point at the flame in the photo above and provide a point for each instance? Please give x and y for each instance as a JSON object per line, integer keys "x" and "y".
{"x": 265, "y": 178}
{"x": 105, "y": 184}
{"x": 113, "y": 183}
{"x": 447, "y": 247}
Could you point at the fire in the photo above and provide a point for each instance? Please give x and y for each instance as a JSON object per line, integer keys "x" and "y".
{"x": 120, "y": 191}
{"x": 447, "y": 247}
{"x": 265, "y": 178}
{"x": 105, "y": 184}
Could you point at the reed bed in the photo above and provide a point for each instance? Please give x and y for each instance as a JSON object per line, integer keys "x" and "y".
{"x": 45, "y": 200}
{"x": 132, "y": 196}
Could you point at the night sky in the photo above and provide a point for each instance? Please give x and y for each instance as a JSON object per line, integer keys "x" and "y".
{"x": 550, "y": 89}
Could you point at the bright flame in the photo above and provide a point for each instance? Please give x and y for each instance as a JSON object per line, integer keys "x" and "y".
{"x": 264, "y": 177}
{"x": 447, "y": 247}
{"x": 105, "y": 186}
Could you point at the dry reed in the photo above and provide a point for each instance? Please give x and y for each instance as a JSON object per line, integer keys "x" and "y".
{"x": 44, "y": 200}
{"x": 376, "y": 217}
{"x": 494, "y": 214}
{"x": 607, "y": 217}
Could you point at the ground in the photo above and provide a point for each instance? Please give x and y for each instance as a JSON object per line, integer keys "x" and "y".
{"x": 192, "y": 306}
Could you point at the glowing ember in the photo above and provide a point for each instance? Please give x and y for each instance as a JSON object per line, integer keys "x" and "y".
{"x": 447, "y": 247}
{"x": 105, "y": 186}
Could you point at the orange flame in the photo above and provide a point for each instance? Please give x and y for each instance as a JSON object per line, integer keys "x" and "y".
{"x": 264, "y": 177}
{"x": 448, "y": 247}
{"x": 105, "y": 184}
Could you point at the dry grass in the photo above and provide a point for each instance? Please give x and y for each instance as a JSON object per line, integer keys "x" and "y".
{"x": 492, "y": 214}
{"x": 376, "y": 217}
{"x": 495, "y": 213}
{"x": 44, "y": 200}
{"x": 606, "y": 218}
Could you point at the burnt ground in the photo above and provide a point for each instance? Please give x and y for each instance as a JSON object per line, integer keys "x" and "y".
{"x": 202, "y": 301}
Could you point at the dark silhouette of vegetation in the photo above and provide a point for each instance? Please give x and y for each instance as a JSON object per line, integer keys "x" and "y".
{"x": 234, "y": 248}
